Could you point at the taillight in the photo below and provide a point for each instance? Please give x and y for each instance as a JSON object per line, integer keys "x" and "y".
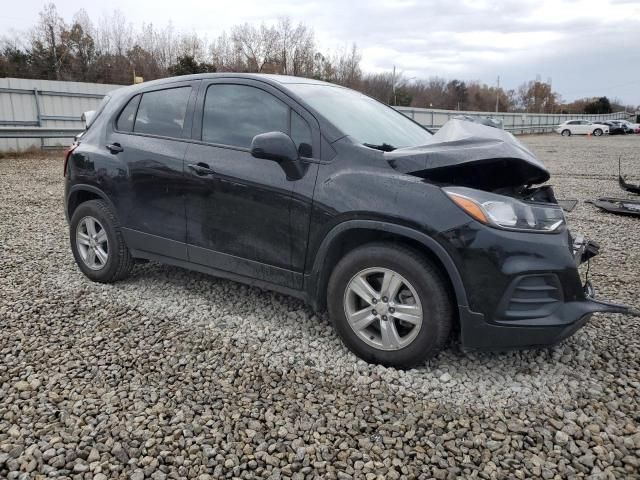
{"x": 67, "y": 154}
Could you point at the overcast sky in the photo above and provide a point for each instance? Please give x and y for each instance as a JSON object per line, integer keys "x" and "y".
{"x": 586, "y": 47}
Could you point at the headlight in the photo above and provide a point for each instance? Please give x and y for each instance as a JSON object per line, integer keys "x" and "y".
{"x": 505, "y": 212}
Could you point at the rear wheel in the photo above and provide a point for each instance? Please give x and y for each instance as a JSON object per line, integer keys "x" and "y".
{"x": 597, "y": 132}
{"x": 566, "y": 132}
{"x": 97, "y": 243}
{"x": 389, "y": 305}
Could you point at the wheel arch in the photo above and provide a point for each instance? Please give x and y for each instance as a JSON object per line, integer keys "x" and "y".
{"x": 81, "y": 193}
{"x": 351, "y": 234}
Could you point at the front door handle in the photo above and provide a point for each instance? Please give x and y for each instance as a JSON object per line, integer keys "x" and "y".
{"x": 201, "y": 169}
{"x": 115, "y": 148}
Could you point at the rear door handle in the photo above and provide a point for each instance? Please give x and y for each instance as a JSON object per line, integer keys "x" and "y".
{"x": 201, "y": 169}
{"x": 115, "y": 148}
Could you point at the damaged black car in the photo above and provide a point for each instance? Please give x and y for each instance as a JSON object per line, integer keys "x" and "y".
{"x": 317, "y": 191}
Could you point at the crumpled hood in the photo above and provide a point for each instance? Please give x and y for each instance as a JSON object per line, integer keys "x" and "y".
{"x": 471, "y": 154}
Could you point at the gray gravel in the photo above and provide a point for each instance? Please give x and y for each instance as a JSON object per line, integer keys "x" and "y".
{"x": 173, "y": 374}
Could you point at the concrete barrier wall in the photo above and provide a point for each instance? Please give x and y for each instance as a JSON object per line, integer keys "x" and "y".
{"x": 514, "y": 122}
{"x": 41, "y": 112}
{"x": 46, "y": 113}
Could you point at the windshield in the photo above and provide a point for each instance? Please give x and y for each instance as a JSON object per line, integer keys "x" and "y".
{"x": 364, "y": 119}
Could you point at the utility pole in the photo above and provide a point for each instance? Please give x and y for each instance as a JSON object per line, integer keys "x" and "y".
{"x": 393, "y": 81}
{"x": 497, "y": 93}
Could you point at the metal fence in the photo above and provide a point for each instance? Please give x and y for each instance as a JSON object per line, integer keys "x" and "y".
{"x": 46, "y": 113}
{"x": 516, "y": 123}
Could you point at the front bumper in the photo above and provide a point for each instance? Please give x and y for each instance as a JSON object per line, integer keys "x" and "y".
{"x": 477, "y": 334}
{"x": 529, "y": 295}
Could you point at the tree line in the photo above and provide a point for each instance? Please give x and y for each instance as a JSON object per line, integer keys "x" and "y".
{"x": 114, "y": 51}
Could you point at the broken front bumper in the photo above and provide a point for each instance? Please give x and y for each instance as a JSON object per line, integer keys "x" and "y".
{"x": 583, "y": 251}
{"x": 538, "y": 308}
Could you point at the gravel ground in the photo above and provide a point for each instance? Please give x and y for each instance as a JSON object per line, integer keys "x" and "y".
{"x": 173, "y": 374}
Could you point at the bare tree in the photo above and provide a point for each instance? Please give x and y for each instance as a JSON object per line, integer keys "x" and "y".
{"x": 191, "y": 45}
{"x": 429, "y": 93}
{"x": 296, "y": 48}
{"x": 226, "y": 55}
{"x": 165, "y": 45}
{"x": 114, "y": 35}
{"x": 323, "y": 68}
{"x": 379, "y": 86}
{"x": 46, "y": 40}
{"x": 347, "y": 67}
{"x": 537, "y": 96}
{"x": 81, "y": 45}
{"x": 258, "y": 45}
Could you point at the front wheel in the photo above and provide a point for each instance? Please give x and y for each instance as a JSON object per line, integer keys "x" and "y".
{"x": 597, "y": 132}
{"x": 566, "y": 133}
{"x": 390, "y": 305}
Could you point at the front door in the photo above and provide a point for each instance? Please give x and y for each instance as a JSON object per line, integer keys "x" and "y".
{"x": 239, "y": 208}
{"x": 584, "y": 127}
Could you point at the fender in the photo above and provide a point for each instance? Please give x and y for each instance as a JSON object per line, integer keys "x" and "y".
{"x": 83, "y": 187}
{"x": 313, "y": 281}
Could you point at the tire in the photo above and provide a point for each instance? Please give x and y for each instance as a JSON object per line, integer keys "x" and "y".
{"x": 118, "y": 262}
{"x": 422, "y": 289}
{"x": 597, "y": 132}
{"x": 566, "y": 132}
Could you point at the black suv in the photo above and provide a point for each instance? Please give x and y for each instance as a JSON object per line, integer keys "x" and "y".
{"x": 323, "y": 193}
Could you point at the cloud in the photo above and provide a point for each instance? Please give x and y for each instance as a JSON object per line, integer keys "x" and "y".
{"x": 588, "y": 47}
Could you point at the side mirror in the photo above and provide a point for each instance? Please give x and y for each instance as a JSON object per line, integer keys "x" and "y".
{"x": 279, "y": 147}
{"x": 276, "y": 146}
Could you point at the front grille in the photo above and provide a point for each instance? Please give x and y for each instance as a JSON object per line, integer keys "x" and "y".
{"x": 531, "y": 296}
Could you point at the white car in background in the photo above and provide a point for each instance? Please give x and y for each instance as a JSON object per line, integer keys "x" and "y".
{"x": 581, "y": 127}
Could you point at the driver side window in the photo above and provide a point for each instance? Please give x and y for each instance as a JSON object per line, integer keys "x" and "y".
{"x": 234, "y": 114}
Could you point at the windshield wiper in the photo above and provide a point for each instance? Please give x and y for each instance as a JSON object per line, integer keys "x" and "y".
{"x": 385, "y": 147}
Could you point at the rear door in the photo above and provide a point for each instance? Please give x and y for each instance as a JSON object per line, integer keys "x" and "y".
{"x": 149, "y": 137}
{"x": 244, "y": 215}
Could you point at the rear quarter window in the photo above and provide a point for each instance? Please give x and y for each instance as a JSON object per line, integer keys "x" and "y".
{"x": 128, "y": 115}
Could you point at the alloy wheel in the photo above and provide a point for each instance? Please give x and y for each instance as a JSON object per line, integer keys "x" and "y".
{"x": 92, "y": 243}
{"x": 383, "y": 308}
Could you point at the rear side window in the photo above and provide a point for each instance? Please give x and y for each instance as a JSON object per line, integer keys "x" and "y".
{"x": 234, "y": 114}
{"x": 128, "y": 115}
{"x": 162, "y": 112}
